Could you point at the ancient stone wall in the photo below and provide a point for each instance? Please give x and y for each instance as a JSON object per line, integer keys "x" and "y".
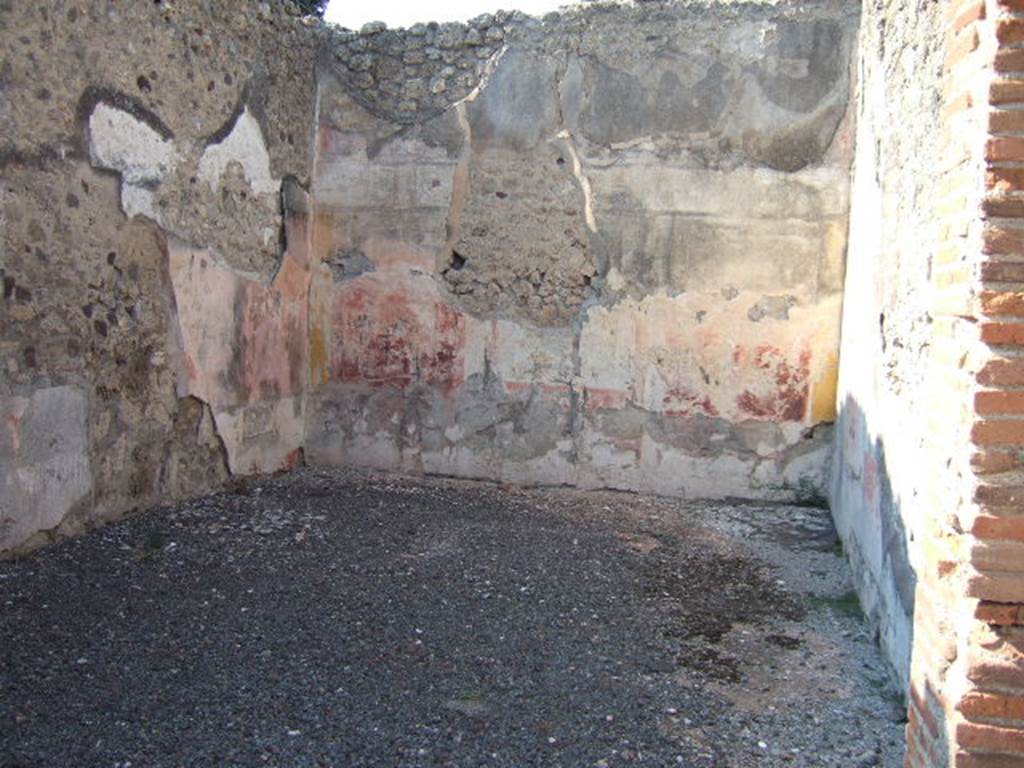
{"x": 152, "y": 335}
{"x": 604, "y": 248}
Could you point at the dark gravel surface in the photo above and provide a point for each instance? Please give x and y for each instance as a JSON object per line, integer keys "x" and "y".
{"x": 329, "y": 618}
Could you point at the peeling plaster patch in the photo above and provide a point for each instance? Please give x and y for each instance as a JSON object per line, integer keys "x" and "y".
{"x": 775, "y": 307}
{"x": 123, "y": 143}
{"x": 44, "y": 461}
{"x": 243, "y": 341}
{"x": 139, "y": 201}
{"x": 395, "y": 333}
{"x": 244, "y": 145}
{"x": 262, "y": 437}
{"x": 119, "y": 141}
{"x": 349, "y": 264}
{"x": 656, "y": 355}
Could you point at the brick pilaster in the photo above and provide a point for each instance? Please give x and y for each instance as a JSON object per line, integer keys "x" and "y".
{"x": 967, "y": 677}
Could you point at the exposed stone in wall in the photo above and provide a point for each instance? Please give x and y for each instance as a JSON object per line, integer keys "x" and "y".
{"x": 118, "y": 125}
{"x": 520, "y": 243}
{"x": 615, "y": 261}
{"x": 410, "y": 75}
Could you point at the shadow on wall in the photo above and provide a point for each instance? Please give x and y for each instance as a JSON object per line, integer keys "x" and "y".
{"x": 869, "y": 518}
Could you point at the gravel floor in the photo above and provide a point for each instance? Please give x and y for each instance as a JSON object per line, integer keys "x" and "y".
{"x": 329, "y": 618}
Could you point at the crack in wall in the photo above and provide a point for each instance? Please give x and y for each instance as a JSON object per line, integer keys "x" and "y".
{"x": 460, "y": 191}
{"x": 581, "y": 178}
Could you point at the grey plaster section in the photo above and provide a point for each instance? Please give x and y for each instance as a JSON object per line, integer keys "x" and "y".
{"x": 519, "y": 106}
{"x": 349, "y": 264}
{"x": 738, "y": 85}
{"x": 497, "y": 427}
{"x": 774, "y": 307}
{"x": 44, "y": 461}
{"x": 671, "y": 96}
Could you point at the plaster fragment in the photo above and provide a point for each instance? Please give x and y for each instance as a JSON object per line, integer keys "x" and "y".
{"x": 774, "y": 307}
{"x": 119, "y": 141}
{"x": 245, "y": 146}
{"x": 44, "y": 461}
{"x": 350, "y": 264}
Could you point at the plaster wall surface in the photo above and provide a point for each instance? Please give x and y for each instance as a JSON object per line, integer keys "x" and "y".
{"x": 613, "y": 257}
{"x": 880, "y": 483}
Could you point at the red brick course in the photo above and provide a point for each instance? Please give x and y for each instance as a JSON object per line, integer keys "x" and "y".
{"x": 967, "y": 706}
